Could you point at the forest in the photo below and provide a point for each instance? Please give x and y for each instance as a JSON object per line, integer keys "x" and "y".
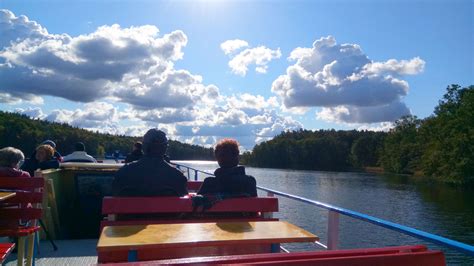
{"x": 440, "y": 146}
{"x": 21, "y": 132}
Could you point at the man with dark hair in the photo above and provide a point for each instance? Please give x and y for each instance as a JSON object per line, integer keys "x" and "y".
{"x": 136, "y": 154}
{"x": 230, "y": 179}
{"x": 79, "y": 155}
{"x": 151, "y": 175}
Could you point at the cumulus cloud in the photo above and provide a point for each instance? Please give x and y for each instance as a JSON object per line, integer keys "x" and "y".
{"x": 12, "y": 99}
{"x": 259, "y": 56}
{"x": 342, "y": 79}
{"x": 134, "y": 66}
{"x": 365, "y": 114}
{"x": 33, "y": 112}
{"x": 231, "y": 46}
{"x": 14, "y": 29}
{"x": 92, "y": 116}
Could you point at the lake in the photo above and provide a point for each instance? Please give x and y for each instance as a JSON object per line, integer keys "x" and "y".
{"x": 431, "y": 207}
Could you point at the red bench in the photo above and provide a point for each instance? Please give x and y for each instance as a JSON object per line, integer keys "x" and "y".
{"x": 5, "y": 250}
{"x": 24, "y": 206}
{"x": 169, "y": 208}
{"x": 193, "y": 186}
{"x": 387, "y": 256}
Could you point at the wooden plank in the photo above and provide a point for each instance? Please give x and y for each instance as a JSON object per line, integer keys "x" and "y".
{"x": 135, "y": 205}
{"x": 200, "y": 234}
{"x": 6, "y": 195}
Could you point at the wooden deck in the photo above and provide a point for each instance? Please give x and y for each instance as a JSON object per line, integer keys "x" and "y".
{"x": 70, "y": 252}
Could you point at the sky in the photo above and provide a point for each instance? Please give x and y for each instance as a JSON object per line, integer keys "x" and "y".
{"x": 205, "y": 70}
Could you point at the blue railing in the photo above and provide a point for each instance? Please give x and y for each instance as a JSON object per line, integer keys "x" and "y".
{"x": 333, "y": 221}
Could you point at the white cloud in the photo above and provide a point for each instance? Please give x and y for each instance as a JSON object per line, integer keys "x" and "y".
{"x": 365, "y": 114}
{"x": 96, "y": 115}
{"x": 259, "y": 56}
{"x": 33, "y": 112}
{"x": 231, "y": 46}
{"x": 341, "y": 78}
{"x": 134, "y": 66}
{"x": 384, "y": 126}
{"x": 12, "y": 99}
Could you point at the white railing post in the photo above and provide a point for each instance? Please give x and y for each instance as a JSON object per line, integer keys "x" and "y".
{"x": 268, "y": 214}
{"x": 333, "y": 230}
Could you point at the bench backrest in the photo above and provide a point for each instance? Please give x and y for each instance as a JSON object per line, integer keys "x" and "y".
{"x": 194, "y": 185}
{"x": 402, "y": 255}
{"x": 157, "y": 205}
{"x": 25, "y": 205}
{"x": 171, "y": 210}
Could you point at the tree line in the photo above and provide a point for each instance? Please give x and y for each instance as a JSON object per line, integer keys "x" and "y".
{"x": 440, "y": 146}
{"x": 26, "y": 134}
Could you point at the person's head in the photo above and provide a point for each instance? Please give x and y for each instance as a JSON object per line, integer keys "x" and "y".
{"x": 79, "y": 146}
{"x": 137, "y": 146}
{"x": 49, "y": 142}
{"x": 227, "y": 153}
{"x": 155, "y": 142}
{"x": 11, "y": 157}
{"x": 44, "y": 153}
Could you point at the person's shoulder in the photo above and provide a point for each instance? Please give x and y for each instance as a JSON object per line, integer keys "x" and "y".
{"x": 209, "y": 180}
{"x": 250, "y": 179}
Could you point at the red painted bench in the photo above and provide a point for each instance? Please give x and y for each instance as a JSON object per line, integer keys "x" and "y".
{"x": 387, "y": 256}
{"x": 5, "y": 250}
{"x": 194, "y": 186}
{"x": 180, "y": 210}
{"x": 24, "y": 206}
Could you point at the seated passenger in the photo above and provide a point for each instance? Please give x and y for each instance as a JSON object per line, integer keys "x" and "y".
{"x": 151, "y": 175}
{"x": 57, "y": 155}
{"x": 43, "y": 160}
{"x": 10, "y": 159}
{"x": 136, "y": 154}
{"x": 230, "y": 179}
{"x": 79, "y": 155}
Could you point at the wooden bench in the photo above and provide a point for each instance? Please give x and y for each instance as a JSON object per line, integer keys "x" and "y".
{"x": 387, "y": 256}
{"x": 180, "y": 210}
{"x": 24, "y": 206}
{"x": 194, "y": 186}
{"x": 5, "y": 250}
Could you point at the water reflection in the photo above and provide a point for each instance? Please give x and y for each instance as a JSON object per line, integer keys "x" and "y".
{"x": 428, "y": 206}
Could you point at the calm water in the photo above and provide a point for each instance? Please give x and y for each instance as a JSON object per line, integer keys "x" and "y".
{"x": 437, "y": 209}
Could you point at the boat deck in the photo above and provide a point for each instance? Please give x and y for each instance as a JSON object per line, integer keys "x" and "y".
{"x": 70, "y": 252}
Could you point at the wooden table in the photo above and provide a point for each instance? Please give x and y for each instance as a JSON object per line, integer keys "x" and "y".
{"x": 196, "y": 239}
{"x": 6, "y": 195}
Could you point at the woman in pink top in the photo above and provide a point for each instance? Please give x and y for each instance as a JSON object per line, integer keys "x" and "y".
{"x": 10, "y": 159}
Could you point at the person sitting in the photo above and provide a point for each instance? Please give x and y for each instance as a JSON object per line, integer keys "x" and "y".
{"x": 230, "y": 179}
{"x": 51, "y": 143}
{"x": 151, "y": 175}
{"x": 136, "y": 154}
{"x": 79, "y": 155}
{"x": 44, "y": 159}
{"x": 10, "y": 159}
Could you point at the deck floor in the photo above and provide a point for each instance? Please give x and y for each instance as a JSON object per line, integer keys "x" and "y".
{"x": 70, "y": 252}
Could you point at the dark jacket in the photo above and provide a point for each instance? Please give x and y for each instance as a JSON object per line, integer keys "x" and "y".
{"x": 230, "y": 181}
{"x": 135, "y": 155}
{"x": 149, "y": 176}
{"x": 32, "y": 164}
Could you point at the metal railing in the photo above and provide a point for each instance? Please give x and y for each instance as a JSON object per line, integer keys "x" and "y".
{"x": 333, "y": 219}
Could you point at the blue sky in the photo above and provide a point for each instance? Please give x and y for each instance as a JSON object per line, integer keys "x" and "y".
{"x": 399, "y": 58}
